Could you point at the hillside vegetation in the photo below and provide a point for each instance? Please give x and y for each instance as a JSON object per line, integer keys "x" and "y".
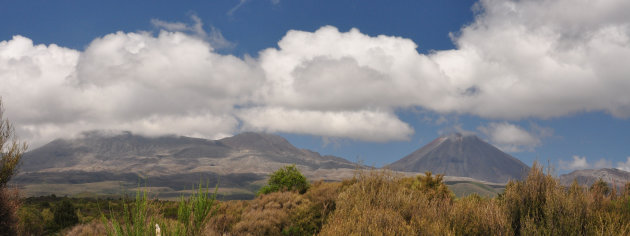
{"x": 376, "y": 202}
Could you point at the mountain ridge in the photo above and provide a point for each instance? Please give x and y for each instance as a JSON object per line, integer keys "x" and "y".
{"x": 587, "y": 177}
{"x": 463, "y": 155}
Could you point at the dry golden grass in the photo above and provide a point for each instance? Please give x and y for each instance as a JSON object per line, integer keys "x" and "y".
{"x": 89, "y": 229}
{"x": 269, "y": 214}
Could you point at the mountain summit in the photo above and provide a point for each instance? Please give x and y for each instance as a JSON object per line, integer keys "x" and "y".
{"x": 463, "y": 155}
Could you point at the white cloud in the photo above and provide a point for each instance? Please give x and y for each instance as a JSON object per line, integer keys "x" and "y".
{"x": 542, "y": 59}
{"x": 580, "y": 163}
{"x": 361, "y": 125}
{"x": 625, "y": 166}
{"x": 518, "y": 59}
{"x": 577, "y": 163}
{"x": 239, "y": 5}
{"x": 513, "y": 138}
{"x": 172, "y": 83}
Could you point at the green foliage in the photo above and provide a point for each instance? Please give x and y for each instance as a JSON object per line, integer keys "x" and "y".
{"x": 32, "y": 221}
{"x": 288, "y": 178}
{"x": 134, "y": 220}
{"x": 194, "y": 212}
{"x": 11, "y": 152}
{"x": 141, "y": 216}
{"x": 64, "y": 215}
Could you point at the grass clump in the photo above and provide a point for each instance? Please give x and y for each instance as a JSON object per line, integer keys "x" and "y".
{"x": 192, "y": 214}
{"x": 539, "y": 205}
{"x": 135, "y": 219}
{"x": 142, "y": 217}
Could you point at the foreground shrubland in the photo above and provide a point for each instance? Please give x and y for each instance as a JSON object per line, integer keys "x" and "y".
{"x": 380, "y": 202}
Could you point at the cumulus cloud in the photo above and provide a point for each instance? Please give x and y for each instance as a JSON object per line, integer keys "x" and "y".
{"x": 513, "y": 138}
{"x": 625, "y": 166}
{"x": 577, "y": 163}
{"x": 580, "y": 163}
{"x": 360, "y": 125}
{"x": 541, "y": 59}
{"x": 518, "y": 59}
{"x": 172, "y": 83}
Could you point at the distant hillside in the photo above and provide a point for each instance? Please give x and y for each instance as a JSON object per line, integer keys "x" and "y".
{"x": 588, "y": 177}
{"x": 175, "y": 162}
{"x": 465, "y": 156}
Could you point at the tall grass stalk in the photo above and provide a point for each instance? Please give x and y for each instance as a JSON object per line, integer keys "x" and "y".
{"x": 193, "y": 213}
{"x": 137, "y": 220}
{"x": 134, "y": 221}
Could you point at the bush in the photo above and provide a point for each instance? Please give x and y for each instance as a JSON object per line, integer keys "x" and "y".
{"x": 271, "y": 214}
{"x": 287, "y": 178}
{"x": 64, "y": 215}
{"x": 9, "y": 205}
{"x": 378, "y": 203}
{"x": 11, "y": 152}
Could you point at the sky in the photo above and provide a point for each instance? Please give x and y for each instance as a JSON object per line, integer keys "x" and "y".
{"x": 370, "y": 81}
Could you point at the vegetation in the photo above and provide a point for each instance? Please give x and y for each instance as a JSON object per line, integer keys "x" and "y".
{"x": 64, "y": 215}
{"x": 287, "y": 178}
{"x": 376, "y": 202}
{"x": 11, "y": 151}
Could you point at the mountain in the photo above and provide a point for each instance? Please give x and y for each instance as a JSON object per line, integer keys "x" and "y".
{"x": 588, "y": 177}
{"x": 173, "y": 162}
{"x": 465, "y": 156}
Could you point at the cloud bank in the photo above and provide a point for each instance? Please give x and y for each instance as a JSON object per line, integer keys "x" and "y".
{"x": 513, "y": 138}
{"x": 580, "y": 163}
{"x": 518, "y": 59}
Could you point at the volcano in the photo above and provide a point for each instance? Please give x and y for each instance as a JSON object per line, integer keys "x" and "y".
{"x": 465, "y": 156}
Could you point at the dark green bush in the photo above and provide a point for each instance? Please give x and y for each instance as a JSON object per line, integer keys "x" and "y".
{"x": 65, "y": 215}
{"x": 288, "y": 178}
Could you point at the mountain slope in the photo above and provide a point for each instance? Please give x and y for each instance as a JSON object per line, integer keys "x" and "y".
{"x": 171, "y": 161}
{"x": 463, "y": 155}
{"x": 588, "y": 177}
{"x": 128, "y": 153}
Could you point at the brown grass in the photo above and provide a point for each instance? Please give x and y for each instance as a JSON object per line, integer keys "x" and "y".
{"x": 89, "y": 229}
{"x": 9, "y": 205}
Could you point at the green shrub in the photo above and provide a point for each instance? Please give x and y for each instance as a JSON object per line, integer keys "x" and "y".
{"x": 31, "y": 221}
{"x": 64, "y": 215}
{"x": 287, "y": 178}
{"x": 11, "y": 151}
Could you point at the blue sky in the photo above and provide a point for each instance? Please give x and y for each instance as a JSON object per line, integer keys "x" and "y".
{"x": 366, "y": 80}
